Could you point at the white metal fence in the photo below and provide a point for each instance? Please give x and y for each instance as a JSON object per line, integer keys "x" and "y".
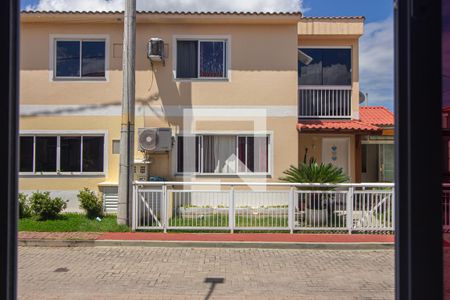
{"x": 324, "y": 102}
{"x": 262, "y": 206}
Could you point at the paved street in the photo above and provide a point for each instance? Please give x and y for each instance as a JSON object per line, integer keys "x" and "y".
{"x": 186, "y": 273}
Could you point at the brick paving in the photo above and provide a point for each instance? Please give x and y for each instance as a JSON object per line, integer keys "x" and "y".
{"x": 180, "y": 273}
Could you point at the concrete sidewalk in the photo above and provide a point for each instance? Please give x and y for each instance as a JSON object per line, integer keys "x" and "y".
{"x": 224, "y": 240}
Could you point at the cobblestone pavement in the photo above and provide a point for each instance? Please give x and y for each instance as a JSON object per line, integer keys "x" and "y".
{"x": 188, "y": 273}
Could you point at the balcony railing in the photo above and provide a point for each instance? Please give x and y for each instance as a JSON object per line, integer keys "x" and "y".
{"x": 324, "y": 102}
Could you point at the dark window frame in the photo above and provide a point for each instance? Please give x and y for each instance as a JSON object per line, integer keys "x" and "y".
{"x": 348, "y": 48}
{"x": 58, "y": 170}
{"x": 199, "y": 41}
{"x": 80, "y": 76}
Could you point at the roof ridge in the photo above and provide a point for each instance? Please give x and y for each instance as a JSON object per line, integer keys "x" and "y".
{"x": 159, "y": 12}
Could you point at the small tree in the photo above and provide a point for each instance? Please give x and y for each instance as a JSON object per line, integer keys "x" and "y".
{"x": 90, "y": 203}
{"x": 46, "y": 207}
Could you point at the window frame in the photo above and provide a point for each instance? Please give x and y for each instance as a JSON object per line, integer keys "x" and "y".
{"x": 314, "y": 86}
{"x": 55, "y": 38}
{"x": 270, "y": 154}
{"x": 58, "y": 135}
{"x": 225, "y": 39}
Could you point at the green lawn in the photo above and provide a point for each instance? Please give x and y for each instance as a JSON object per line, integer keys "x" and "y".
{"x": 222, "y": 221}
{"x": 71, "y": 222}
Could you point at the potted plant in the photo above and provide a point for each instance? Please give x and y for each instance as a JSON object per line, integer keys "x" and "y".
{"x": 316, "y": 208}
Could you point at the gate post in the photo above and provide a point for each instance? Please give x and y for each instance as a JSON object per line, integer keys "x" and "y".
{"x": 164, "y": 205}
{"x": 291, "y": 210}
{"x": 231, "y": 215}
{"x": 134, "y": 208}
{"x": 349, "y": 208}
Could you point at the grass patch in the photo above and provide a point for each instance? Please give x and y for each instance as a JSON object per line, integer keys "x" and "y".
{"x": 72, "y": 222}
{"x": 222, "y": 221}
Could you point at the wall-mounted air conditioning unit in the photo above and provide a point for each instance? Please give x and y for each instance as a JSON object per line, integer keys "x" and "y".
{"x": 156, "y": 50}
{"x": 155, "y": 139}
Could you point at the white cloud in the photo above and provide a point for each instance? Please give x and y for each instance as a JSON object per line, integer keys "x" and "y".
{"x": 172, "y": 5}
{"x": 377, "y": 62}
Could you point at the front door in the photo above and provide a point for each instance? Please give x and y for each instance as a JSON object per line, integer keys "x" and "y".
{"x": 336, "y": 152}
{"x": 386, "y": 162}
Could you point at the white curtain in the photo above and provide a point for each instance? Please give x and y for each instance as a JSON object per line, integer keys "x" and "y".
{"x": 219, "y": 154}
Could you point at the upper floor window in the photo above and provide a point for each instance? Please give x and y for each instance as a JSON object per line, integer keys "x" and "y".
{"x": 80, "y": 59}
{"x": 204, "y": 59}
{"x": 320, "y": 66}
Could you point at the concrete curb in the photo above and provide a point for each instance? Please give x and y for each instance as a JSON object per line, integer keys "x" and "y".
{"x": 203, "y": 244}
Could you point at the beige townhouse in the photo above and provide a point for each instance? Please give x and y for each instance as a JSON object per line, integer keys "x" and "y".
{"x": 219, "y": 96}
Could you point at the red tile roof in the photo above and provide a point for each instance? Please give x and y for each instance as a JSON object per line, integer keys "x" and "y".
{"x": 352, "y": 126}
{"x": 376, "y": 115}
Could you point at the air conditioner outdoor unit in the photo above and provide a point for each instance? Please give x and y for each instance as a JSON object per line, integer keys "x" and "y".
{"x": 155, "y": 139}
{"x": 156, "y": 49}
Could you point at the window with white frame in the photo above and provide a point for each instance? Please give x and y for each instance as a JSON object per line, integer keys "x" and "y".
{"x": 71, "y": 154}
{"x": 223, "y": 154}
{"x": 204, "y": 59}
{"x": 80, "y": 58}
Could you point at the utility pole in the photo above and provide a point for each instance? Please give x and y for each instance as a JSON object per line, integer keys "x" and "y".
{"x": 127, "y": 124}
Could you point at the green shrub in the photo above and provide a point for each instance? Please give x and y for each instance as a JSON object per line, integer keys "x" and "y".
{"x": 24, "y": 206}
{"x": 46, "y": 207}
{"x": 90, "y": 203}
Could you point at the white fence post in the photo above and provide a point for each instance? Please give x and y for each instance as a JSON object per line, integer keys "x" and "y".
{"x": 232, "y": 210}
{"x": 134, "y": 208}
{"x": 393, "y": 209}
{"x": 291, "y": 210}
{"x": 349, "y": 209}
{"x": 164, "y": 207}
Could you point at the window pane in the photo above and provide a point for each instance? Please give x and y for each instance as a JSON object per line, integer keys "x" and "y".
{"x": 70, "y": 154}
{"x": 187, "y": 59}
{"x": 46, "y": 154}
{"x": 67, "y": 58}
{"x": 219, "y": 154}
{"x": 93, "y": 63}
{"x": 311, "y": 74}
{"x": 328, "y": 67}
{"x": 242, "y": 158}
{"x": 26, "y": 154}
{"x": 261, "y": 157}
{"x": 212, "y": 59}
{"x": 188, "y": 154}
{"x": 337, "y": 67}
{"x": 93, "y": 154}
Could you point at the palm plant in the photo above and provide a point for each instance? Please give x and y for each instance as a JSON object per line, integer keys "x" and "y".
{"x": 315, "y": 173}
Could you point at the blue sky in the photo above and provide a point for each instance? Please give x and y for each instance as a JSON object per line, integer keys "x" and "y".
{"x": 376, "y": 46}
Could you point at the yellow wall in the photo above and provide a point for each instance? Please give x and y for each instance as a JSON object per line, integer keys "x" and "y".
{"x": 335, "y": 33}
{"x": 263, "y": 75}
{"x": 314, "y": 144}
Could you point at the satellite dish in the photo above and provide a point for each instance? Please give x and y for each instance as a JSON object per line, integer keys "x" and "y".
{"x": 304, "y": 58}
{"x": 362, "y": 97}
